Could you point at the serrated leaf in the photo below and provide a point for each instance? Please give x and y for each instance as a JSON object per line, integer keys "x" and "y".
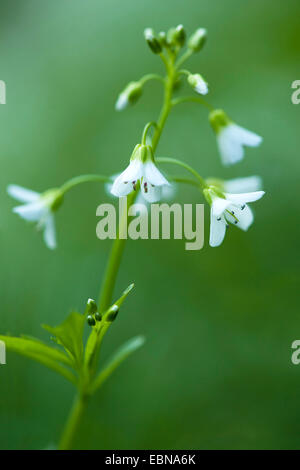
{"x": 69, "y": 335}
{"x": 42, "y": 353}
{"x": 126, "y": 350}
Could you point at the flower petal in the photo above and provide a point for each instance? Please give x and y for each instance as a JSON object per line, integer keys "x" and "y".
{"x": 201, "y": 87}
{"x": 245, "y": 217}
{"x": 153, "y": 175}
{"x": 219, "y": 205}
{"x": 32, "y": 212}
{"x": 123, "y": 183}
{"x": 50, "y": 232}
{"x": 246, "y": 137}
{"x": 22, "y": 194}
{"x": 122, "y": 102}
{"x": 243, "y": 198}
{"x": 217, "y": 229}
{"x": 151, "y": 193}
{"x": 243, "y": 185}
{"x": 230, "y": 149}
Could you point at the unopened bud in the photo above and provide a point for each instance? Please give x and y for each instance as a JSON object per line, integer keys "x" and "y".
{"x": 91, "y": 306}
{"x": 91, "y": 320}
{"x": 152, "y": 41}
{"x": 129, "y": 95}
{"x": 179, "y": 35}
{"x": 162, "y": 37}
{"x": 197, "y": 40}
{"x": 114, "y": 310}
{"x": 98, "y": 316}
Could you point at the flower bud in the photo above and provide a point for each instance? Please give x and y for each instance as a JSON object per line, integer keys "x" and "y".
{"x": 129, "y": 95}
{"x": 162, "y": 37}
{"x": 91, "y": 306}
{"x": 113, "y": 312}
{"x": 98, "y": 316}
{"x": 179, "y": 35}
{"x": 152, "y": 41}
{"x": 198, "y": 83}
{"x": 197, "y": 40}
{"x": 91, "y": 320}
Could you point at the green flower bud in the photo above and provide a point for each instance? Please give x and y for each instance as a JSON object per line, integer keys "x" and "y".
{"x": 218, "y": 120}
{"x": 162, "y": 37}
{"x": 91, "y": 320}
{"x": 129, "y": 95}
{"x": 98, "y": 316}
{"x": 91, "y": 306}
{"x": 114, "y": 310}
{"x": 197, "y": 40}
{"x": 152, "y": 41}
{"x": 179, "y": 35}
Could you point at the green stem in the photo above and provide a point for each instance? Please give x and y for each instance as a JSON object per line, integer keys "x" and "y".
{"x": 174, "y": 161}
{"x": 119, "y": 244}
{"x": 115, "y": 258}
{"x": 73, "y": 422}
{"x": 184, "y": 58}
{"x": 83, "y": 179}
{"x": 151, "y": 76}
{"x": 193, "y": 99}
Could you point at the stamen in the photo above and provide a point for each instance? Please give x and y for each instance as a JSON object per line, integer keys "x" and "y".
{"x": 125, "y": 182}
{"x": 134, "y": 185}
{"x": 243, "y": 207}
{"x": 219, "y": 218}
{"x": 145, "y": 187}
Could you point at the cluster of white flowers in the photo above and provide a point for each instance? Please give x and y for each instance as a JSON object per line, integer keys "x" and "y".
{"x": 228, "y": 200}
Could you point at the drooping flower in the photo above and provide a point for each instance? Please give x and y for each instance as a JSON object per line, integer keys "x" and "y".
{"x": 142, "y": 170}
{"x": 129, "y": 95}
{"x": 198, "y": 83}
{"x": 229, "y": 208}
{"x": 38, "y": 207}
{"x": 231, "y": 138}
{"x": 247, "y": 184}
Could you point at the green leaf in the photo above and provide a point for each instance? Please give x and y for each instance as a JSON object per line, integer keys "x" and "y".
{"x": 126, "y": 350}
{"x": 42, "y": 353}
{"x": 69, "y": 335}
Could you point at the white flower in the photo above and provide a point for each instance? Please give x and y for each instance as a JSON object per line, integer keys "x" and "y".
{"x": 143, "y": 169}
{"x": 231, "y": 138}
{"x": 38, "y": 208}
{"x": 198, "y": 83}
{"x": 230, "y": 209}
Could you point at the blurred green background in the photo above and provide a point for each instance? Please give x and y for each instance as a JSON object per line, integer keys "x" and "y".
{"x": 216, "y": 369}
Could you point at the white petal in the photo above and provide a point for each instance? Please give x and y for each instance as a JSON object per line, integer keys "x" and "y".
{"x": 122, "y": 102}
{"x": 245, "y": 217}
{"x": 22, "y": 194}
{"x": 245, "y": 137}
{"x": 217, "y": 229}
{"x": 243, "y": 198}
{"x": 231, "y": 151}
{"x": 123, "y": 183}
{"x": 201, "y": 87}
{"x": 243, "y": 185}
{"x": 153, "y": 175}
{"x": 49, "y": 232}
{"x": 32, "y": 212}
{"x": 219, "y": 205}
{"x": 151, "y": 193}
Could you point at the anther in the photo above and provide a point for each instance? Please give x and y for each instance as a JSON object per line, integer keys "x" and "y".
{"x": 145, "y": 187}
{"x": 134, "y": 185}
{"x": 243, "y": 207}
